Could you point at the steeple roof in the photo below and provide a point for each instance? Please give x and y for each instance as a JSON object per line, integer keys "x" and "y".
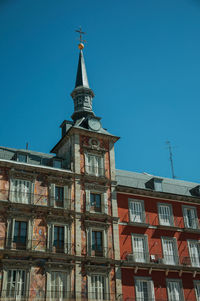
{"x": 81, "y": 77}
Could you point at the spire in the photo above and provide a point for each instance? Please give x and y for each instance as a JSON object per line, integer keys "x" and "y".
{"x": 82, "y": 94}
{"x": 81, "y": 77}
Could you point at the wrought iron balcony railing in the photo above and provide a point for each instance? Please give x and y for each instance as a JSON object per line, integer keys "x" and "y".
{"x": 101, "y": 252}
{"x": 56, "y": 295}
{"x": 140, "y": 219}
{"x": 143, "y": 257}
{"x": 22, "y": 197}
{"x": 95, "y": 171}
{"x": 36, "y": 245}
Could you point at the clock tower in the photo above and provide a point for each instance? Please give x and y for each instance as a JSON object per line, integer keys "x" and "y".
{"x": 87, "y": 150}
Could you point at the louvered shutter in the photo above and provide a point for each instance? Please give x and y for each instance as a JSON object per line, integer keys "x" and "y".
{"x": 194, "y": 254}
{"x": 66, "y": 197}
{"x": 52, "y": 195}
{"x": 87, "y": 200}
{"x": 29, "y": 235}
{"x": 105, "y": 202}
{"x": 66, "y": 240}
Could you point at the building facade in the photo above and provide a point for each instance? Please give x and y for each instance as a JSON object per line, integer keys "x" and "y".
{"x": 159, "y": 238}
{"x": 74, "y": 227}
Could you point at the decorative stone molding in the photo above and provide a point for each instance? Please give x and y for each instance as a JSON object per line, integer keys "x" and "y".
{"x": 96, "y": 187}
{"x": 96, "y": 224}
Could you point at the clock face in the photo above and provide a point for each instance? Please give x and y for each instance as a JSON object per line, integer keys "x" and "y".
{"x": 94, "y": 124}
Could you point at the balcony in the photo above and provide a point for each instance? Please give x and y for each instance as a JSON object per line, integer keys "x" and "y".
{"x": 101, "y": 253}
{"x": 171, "y": 223}
{"x": 156, "y": 259}
{"x": 140, "y": 221}
{"x": 95, "y": 171}
{"x": 27, "y": 198}
{"x": 61, "y": 295}
{"x": 35, "y": 245}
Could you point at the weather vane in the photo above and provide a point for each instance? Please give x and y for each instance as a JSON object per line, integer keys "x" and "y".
{"x": 81, "y": 33}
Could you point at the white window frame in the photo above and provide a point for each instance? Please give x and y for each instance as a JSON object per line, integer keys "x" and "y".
{"x": 106, "y": 283}
{"x": 10, "y": 231}
{"x": 67, "y": 236}
{"x": 104, "y": 200}
{"x": 197, "y": 289}
{"x": 89, "y": 231}
{"x": 137, "y": 256}
{"x": 158, "y": 184}
{"x": 67, "y": 193}
{"x": 143, "y": 213}
{"x": 168, "y": 280}
{"x": 100, "y": 170}
{"x": 169, "y": 261}
{"x": 49, "y": 283}
{"x": 16, "y": 195}
{"x": 196, "y": 242}
{"x": 21, "y": 154}
{"x": 150, "y": 287}
{"x": 5, "y": 282}
{"x": 184, "y": 208}
{"x": 171, "y": 221}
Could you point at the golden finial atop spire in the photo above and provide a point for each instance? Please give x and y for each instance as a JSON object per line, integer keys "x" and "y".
{"x": 80, "y": 45}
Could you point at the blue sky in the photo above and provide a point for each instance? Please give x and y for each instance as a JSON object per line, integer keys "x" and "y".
{"x": 143, "y": 63}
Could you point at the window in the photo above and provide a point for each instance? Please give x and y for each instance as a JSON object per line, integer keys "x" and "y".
{"x": 97, "y": 243}
{"x": 165, "y": 215}
{"x": 16, "y": 284}
{"x": 170, "y": 251}
{"x": 22, "y": 158}
{"x": 57, "y": 163}
{"x": 59, "y": 196}
{"x": 144, "y": 289}
{"x": 194, "y": 250}
{"x": 58, "y": 239}
{"x": 197, "y": 289}
{"x": 140, "y": 248}
{"x": 95, "y": 202}
{"x": 136, "y": 211}
{"x": 98, "y": 287}
{"x": 20, "y": 191}
{"x": 58, "y": 286}
{"x": 190, "y": 217}
{"x": 20, "y": 233}
{"x": 158, "y": 184}
{"x": 94, "y": 165}
{"x": 174, "y": 289}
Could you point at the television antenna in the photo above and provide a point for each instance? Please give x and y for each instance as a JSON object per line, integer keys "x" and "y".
{"x": 171, "y": 158}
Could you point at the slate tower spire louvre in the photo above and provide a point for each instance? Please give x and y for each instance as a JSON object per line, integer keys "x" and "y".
{"x": 82, "y": 93}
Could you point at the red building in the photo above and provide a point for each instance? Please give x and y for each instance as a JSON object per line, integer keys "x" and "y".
{"x": 159, "y": 237}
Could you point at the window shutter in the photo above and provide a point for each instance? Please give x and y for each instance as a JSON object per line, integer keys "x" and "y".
{"x": 12, "y": 190}
{"x": 87, "y": 200}
{"x": 86, "y": 163}
{"x": 29, "y": 235}
{"x": 48, "y": 236}
{"x": 105, "y": 202}
{"x": 89, "y": 242}
{"x": 52, "y": 237}
{"x": 32, "y": 190}
{"x": 66, "y": 197}
{"x": 10, "y": 232}
{"x": 48, "y": 290}
{"x": 52, "y": 195}
{"x": 66, "y": 241}
{"x": 151, "y": 290}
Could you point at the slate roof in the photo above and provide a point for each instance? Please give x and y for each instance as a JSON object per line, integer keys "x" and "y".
{"x": 139, "y": 180}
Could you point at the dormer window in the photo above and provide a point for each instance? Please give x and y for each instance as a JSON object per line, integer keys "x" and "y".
{"x": 57, "y": 163}
{"x": 22, "y": 158}
{"x": 195, "y": 191}
{"x": 158, "y": 184}
{"x": 154, "y": 184}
